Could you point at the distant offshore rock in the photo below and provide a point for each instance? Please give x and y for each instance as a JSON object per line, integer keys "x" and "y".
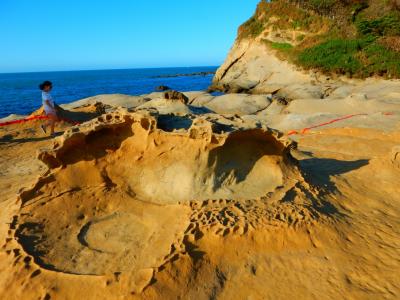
{"x": 182, "y": 75}
{"x": 162, "y": 88}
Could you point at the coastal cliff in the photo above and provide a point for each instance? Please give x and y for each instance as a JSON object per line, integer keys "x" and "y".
{"x": 253, "y": 68}
{"x": 298, "y": 48}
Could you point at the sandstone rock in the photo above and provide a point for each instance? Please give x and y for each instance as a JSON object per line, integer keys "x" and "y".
{"x": 165, "y": 106}
{"x": 114, "y": 100}
{"x": 395, "y": 156}
{"x": 194, "y": 153}
{"x": 12, "y": 117}
{"x": 202, "y": 99}
{"x": 357, "y": 96}
{"x": 241, "y": 104}
{"x": 275, "y": 108}
{"x": 301, "y": 91}
{"x": 175, "y": 95}
{"x": 198, "y": 98}
{"x": 251, "y": 66}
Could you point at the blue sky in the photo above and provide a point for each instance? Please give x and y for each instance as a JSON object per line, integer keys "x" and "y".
{"x": 47, "y": 35}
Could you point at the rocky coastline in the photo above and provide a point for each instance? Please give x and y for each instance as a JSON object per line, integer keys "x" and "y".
{"x": 284, "y": 186}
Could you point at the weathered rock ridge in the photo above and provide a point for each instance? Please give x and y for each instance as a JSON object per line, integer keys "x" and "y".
{"x": 253, "y": 68}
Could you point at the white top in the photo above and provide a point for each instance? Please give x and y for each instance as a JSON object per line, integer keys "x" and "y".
{"x": 47, "y": 97}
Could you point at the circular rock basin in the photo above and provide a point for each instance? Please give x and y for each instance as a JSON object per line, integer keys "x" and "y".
{"x": 115, "y": 199}
{"x": 96, "y": 231}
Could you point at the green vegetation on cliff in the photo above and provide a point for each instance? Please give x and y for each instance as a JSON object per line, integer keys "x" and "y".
{"x": 357, "y": 38}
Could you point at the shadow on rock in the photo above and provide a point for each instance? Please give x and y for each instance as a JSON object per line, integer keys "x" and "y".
{"x": 319, "y": 170}
{"x": 31, "y": 235}
{"x": 200, "y": 110}
{"x": 10, "y": 139}
{"x": 84, "y": 113}
{"x": 170, "y": 123}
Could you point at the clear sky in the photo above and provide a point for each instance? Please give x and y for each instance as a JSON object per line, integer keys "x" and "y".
{"x": 47, "y": 35}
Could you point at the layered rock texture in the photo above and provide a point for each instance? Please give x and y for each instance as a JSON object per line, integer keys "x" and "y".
{"x": 290, "y": 190}
{"x": 161, "y": 199}
{"x": 251, "y": 67}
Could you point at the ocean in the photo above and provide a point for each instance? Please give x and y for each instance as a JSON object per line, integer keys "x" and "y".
{"x": 19, "y": 92}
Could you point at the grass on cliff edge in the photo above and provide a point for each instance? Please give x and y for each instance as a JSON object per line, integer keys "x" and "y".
{"x": 355, "y": 57}
{"x": 281, "y": 46}
{"x": 290, "y": 17}
{"x": 368, "y": 44}
{"x": 362, "y": 56}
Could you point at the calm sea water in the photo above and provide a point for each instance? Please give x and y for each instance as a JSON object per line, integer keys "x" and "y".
{"x": 19, "y": 92}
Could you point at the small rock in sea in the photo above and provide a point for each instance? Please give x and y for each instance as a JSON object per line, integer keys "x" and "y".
{"x": 162, "y": 88}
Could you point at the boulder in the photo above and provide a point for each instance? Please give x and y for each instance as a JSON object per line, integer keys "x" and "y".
{"x": 250, "y": 65}
{"x": 175, "y": 95}
{"x": 240, "y": 104}
{"x": 165, "y": 106}
{"x": 114, "y": 100}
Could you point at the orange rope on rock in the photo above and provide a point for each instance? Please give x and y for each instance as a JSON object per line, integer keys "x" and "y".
{"x": 24, "y": 120}
{"x": 304, "y": 130}
{"x": 32, "y": 118}
{"x": 331, "y": 121}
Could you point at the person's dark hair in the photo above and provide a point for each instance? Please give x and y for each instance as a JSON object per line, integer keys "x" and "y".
{"x": 44, "y": 84}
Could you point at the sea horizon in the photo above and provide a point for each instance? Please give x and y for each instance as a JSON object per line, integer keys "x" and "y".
{"x": 19, "y": 92}
{"x": 111, "y": 69}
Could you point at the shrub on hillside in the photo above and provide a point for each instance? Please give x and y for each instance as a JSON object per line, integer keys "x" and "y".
{"x": 358, "y": 38}
{"x": 251, "y": 28}
{"x": 333, "y": 56}
{"x": 358, "y": 57}
{"x": 281, "y": 46}
{"x": 382, "y": 61}
{"x": 391, "y": 42}
{"x": 289, "y": 16}
{"x": 322, "y": 5}
{"x": 386, "y": 25}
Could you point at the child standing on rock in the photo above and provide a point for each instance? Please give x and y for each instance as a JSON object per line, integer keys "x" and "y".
{"x": 48, "y": 106}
